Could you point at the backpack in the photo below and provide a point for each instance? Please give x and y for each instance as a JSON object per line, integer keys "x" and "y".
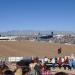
{"x": 37, "y": 69}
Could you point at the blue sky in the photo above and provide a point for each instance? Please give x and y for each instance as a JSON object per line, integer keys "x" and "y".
{"x": 57, "y": 15}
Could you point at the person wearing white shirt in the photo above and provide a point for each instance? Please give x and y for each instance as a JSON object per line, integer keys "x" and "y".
{"x": 53, "y": 63}
{"x": 45, "y": 59}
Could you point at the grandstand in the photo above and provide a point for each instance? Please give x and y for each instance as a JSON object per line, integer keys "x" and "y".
{"x": 6, "y": 38}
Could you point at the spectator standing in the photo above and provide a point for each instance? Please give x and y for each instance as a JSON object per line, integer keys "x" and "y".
{"x": 66, "y": 62}
{"x": 49, "y": 60}
{"x": 37, "y": 67}
{"x": 53, "y": 63}
{"x": 45, "y": 59}
{"x": 73, "y": 63}
{"x": 31, "y": 66}
{"x": 70, "y": 64}
{"x": 59, "y": 62}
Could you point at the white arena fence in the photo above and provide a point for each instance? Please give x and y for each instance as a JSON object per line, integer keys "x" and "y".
{"x": 10, "y": 59}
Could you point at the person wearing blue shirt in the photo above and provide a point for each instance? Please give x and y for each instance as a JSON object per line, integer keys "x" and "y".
{"x": 73, "y": 63}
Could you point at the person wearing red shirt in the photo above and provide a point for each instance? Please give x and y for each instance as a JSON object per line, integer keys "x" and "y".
{"x": 59, "y": 63}
{"x": 46, "y": 71}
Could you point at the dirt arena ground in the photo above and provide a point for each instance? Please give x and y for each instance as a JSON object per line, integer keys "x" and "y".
{"x": 28, "y": 48}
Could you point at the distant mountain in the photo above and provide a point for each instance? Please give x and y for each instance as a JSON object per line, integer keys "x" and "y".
{"x": 31, "y": 32}
{"x": 17, "y": 33}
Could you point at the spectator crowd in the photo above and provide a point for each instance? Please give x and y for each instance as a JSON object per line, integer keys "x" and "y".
{"x": 37, "y": 66}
